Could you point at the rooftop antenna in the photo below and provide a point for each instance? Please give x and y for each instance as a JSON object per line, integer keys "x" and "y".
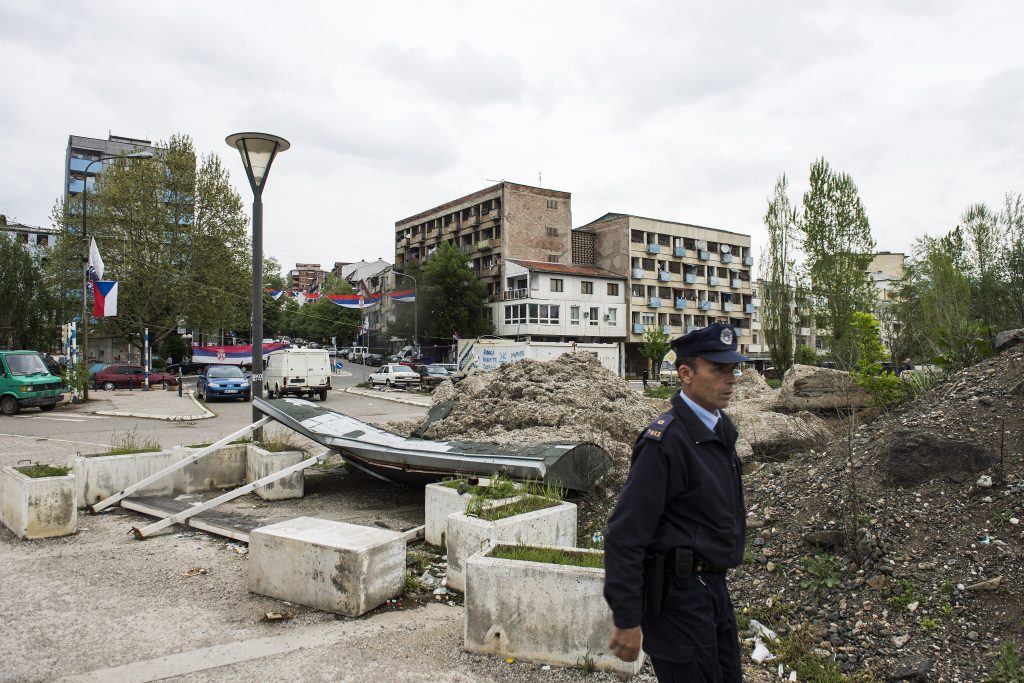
{"x": 540, "y": 183}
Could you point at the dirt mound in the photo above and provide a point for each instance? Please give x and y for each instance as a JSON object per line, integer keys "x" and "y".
{"x": 751, "y": 385}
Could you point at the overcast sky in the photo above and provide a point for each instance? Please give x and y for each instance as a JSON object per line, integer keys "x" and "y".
{"x": 685, "y": 111}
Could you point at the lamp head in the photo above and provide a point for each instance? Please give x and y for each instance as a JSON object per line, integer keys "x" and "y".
{"x": 258, "y": 151}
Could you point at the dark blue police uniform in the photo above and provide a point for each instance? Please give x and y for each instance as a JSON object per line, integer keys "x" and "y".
{"x": 682, "y": 501}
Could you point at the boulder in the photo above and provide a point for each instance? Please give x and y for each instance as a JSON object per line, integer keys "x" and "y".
{"x": 751, "y": 385}
{"x": 770, "y": 435}
{"x": 805, "y": 387}
{"x": 1009, "y": 338}
{"x": 915, "y": 456}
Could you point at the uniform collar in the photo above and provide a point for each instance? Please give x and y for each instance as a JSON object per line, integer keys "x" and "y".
{"x": 703, "y": 414}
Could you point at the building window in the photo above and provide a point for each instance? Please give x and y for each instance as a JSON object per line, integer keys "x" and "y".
{"x": 636, "y": 290}
{"x": 613, "y": 289}
{"x": 574, "y": 315}
{"x": 647, "y": 318}
{"x": 636, "y": 236}
{"x": 543, "y": 314}
{"x": 586, "y": 287}
{"x": 556, "y": 284}
{"x": 515, "y": 314}
{"x": 552, "y": 231}
{"x": 613, "y": 316}
{"x": 594, "y": 316}
{"x": 552, "y": 203}
{"x": 552, "y": 258}
{"x": 648, "y": 263}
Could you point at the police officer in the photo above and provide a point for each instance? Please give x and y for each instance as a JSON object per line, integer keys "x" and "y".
{"x": 680, "y": 523}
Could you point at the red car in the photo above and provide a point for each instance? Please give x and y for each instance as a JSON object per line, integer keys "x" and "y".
{"x": 130, "y": 376}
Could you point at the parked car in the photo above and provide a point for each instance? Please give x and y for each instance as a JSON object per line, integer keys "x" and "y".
{"x": 373, "y": 359}
{"x": 96, "y": 367}
{"x": 223, "y": 381}
{"x": 394, "y": 375}
{"x": 432, "y": 375}
{"x": 130, "y": 376}
{"x": 186, "y": 368}
{"x": 454, "y": 374}
{"x": 25, "y": 382}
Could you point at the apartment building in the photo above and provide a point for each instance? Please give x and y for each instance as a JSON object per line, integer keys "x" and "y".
{"x": 306, "y": 277}
{"x": 80, "y": 161}
{"x": 503, "y": 221}
{"x": 681, "y": 277}
{"x": 34, "y": 237}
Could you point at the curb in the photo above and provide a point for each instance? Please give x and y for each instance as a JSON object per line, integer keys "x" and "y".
{"x": 169, "y": 418}
{"x": 384, "y": 396}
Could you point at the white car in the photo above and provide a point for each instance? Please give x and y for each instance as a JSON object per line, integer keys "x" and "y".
{"x": 394, "y": 375}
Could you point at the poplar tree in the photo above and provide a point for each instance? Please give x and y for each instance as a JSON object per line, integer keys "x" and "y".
{"x": 778, "y": 281}
{"x": 453, "y": 296}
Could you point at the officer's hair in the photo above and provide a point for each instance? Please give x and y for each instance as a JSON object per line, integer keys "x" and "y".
{"x": 688, "y": 361}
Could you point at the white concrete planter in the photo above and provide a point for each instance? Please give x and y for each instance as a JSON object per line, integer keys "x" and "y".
{"x": 467, "y": 535}
{"x": 439, "y": 503}
{"x": 568, "y": 619}
{"x": 261, "y": 462}
{"x": 100, "y": 476}
{"x": 40, "y": 507}
{"x": 225, "y": 468}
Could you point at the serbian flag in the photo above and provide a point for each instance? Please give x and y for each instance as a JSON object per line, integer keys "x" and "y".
{"x": 104, "y": 299}
{"x": 406, "y": 295}
{"x": 353, "y": 300}
{"x": 275, "y": 294}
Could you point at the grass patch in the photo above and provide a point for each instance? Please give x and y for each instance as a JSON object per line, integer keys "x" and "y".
{"x": 1009, "y": 668}
{"x": 773, "y": 383}
{"x": 904, "y": 593}
{"x": 772, "y": 612}
{"x": 797, "y": 650}
{"x": 529, "y": 553}
{"x": 413, "y": 585}
{"x": 499, "y": 487}
{"x": 244, "y": 439}
{"x": 280, "y": 441}
{"x": 665, "y": 392}
{"x": 531, "y": 497}
{"x": 519, "y": 506}
{"x": 130, "y": 442}
{"x": 38, "y": 471}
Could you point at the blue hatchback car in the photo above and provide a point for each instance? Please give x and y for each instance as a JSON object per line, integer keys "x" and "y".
{"x": 223, "y": 381}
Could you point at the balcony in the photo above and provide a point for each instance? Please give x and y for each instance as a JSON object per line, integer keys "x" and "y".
{"x": 804, "y": 331}
{"x": 748, "y": 308}
{"x": 472, "y": 220}
{"x": 726, "y": 258}
{"x": 735, "y": 283}
{"x": 513, "y": 294}
{"x": 690, "y": 278}
{"x": 664, "y": 276}
{"x": 484, "y": 245}
{"x": 654, "y": 302}
{"x": 466, "y": 248}
{"x": 712, "y": 280}
{"x": 726, "y": 306}
{"x": 704, "y": 305}
{"x": 679, "y": 251}
{"x": 681, "y": 303}
{"x": 667, "y": 329}
{"x": 653, "y": 248}
{"x": 703, "y": 254}
{"x": 748, "y": 260}
{"x": 741, "y": 331}
{"x": 638, "y": 273}
{"x": 638, "y": 328}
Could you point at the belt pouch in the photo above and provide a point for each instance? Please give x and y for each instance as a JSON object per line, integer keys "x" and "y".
{"x": 654, "y": 583}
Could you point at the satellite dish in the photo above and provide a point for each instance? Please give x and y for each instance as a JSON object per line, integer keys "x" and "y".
{"x": 725, "y": 249}
{"x": 702, "y": 244}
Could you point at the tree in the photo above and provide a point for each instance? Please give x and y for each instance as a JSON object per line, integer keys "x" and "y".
{"x": 984, "y": 268}
{"x": 18, "y": 278}
{"x": 838, "y": 246}
{"x": 883, "y": 387}
{"x": 779, "y": 277}
{"x": 1011, "y": 218}
{"x": 656, "y": 345}
{"x": 172, "y": 231}
{"x": 453, "y": 297}
{"x": 322, "y": 319}
{"x": 805, "y": 355}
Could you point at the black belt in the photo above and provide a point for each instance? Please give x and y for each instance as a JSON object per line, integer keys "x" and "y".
{"x": 684, "y": 563}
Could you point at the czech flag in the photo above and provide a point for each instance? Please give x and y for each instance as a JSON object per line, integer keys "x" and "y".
{"x": 104, "y": 299}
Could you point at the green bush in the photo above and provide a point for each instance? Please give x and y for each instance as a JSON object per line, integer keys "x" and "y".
{"x": 824, "y": 571}
{"x": 805, "y": 355}
{"x": 884, "y": 388}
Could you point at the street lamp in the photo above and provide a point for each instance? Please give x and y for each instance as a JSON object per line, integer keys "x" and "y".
{"x": 85, "y": 257}
{"x": 258, "y": 151}
{"x": 415, "y": 308}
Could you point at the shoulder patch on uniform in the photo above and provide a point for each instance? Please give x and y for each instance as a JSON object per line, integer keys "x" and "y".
{"x": 656, "y": 429}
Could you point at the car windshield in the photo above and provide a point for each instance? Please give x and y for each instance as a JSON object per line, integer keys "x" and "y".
{"x": 26, "y": 364}
{"x": 227, "y": 371}
{"x": 437, "y": 371}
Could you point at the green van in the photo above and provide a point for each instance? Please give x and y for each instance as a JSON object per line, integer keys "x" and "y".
{"x": 25, "y": 382}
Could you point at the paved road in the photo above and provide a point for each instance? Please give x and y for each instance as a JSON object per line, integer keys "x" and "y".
{"x": 58, "y": 436}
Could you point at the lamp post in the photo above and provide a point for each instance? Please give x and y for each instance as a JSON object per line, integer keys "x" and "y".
{"x": 415, "y": 308}
{"x": 258, "y": 151}
{"x": 85, "y": 258}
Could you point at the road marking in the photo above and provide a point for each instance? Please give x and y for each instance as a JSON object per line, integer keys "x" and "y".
{"x": 46, "y": 438}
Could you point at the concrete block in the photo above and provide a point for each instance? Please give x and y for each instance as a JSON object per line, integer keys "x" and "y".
{"x": 100, "y": 476}
{"x": 568, "y": 617}
{"x": 261, "y": 462}
{"x": 467, "y": 535}
{"x": 225, "y": 468}
{"x": 38, "y": 507}
{"x": 337, "y": 567}
{"x": 439, "y": 502}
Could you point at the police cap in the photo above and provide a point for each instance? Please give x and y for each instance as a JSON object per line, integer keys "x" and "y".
{"x": 716, "y": 343}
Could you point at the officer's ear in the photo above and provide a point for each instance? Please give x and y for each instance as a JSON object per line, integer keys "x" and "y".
{"x": 685, "y": 373}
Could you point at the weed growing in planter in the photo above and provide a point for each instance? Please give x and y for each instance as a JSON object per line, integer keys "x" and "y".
{"x": 280, "y": 441}
{"x": 244, "y": 439}
{"x": 129, "y": 442}
{"x": 566, "y": 556}
{"x": 520, "y": 506}
{"x": 499, "y": 487}
{"x": 38, "y": 471}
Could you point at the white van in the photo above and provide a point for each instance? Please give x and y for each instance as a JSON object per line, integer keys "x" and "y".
{"x": 298, "y": 372}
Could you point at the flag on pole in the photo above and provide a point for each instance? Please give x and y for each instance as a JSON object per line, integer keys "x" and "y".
{"x": 104, "y": 299}
{"x": 94, "y": 269}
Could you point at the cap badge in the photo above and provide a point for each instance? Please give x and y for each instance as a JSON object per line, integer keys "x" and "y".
{"x": 726, "y": 336}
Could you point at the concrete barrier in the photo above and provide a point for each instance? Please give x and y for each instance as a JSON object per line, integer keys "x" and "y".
{"x": 38, "y": 507}
{"x": 100, "y": 476}
{"x": 260, "y": 462}
{"x": 440, "y": 501}
{"x": 225, "y": 468}
{"x": 467, "y": 535}
{"x": 333, "y": 566}
{"x": 569, "y": 622}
